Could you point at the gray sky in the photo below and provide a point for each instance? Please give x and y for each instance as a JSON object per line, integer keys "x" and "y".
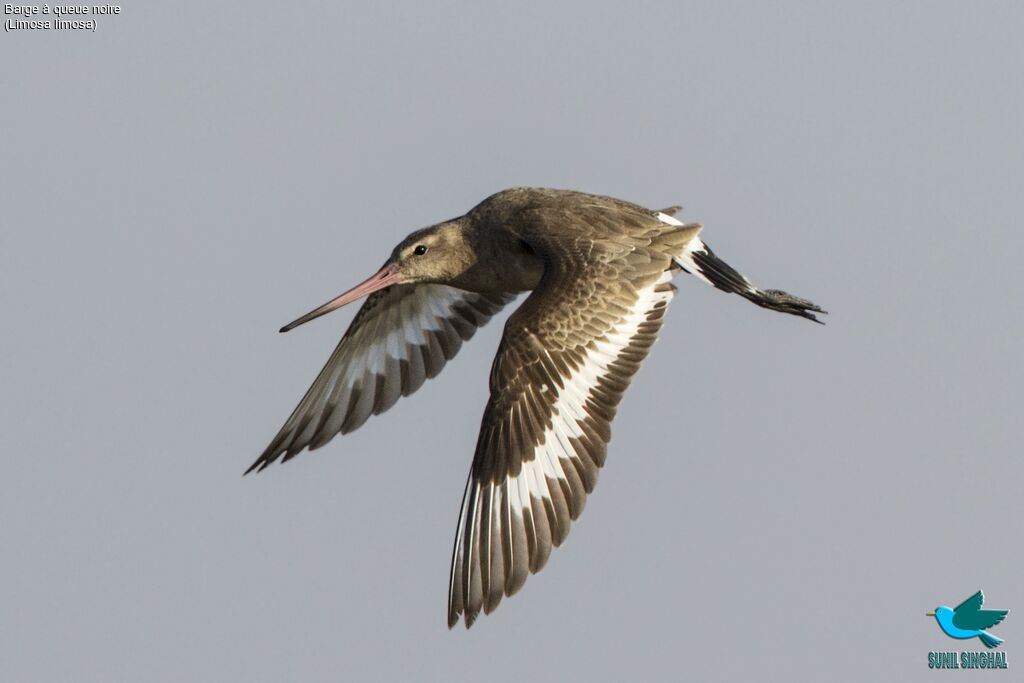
{"x": 780, "y": 499}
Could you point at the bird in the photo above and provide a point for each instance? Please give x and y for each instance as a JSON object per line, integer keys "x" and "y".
{"x": 599, "y": 273}
{"x": 968, "y": 620}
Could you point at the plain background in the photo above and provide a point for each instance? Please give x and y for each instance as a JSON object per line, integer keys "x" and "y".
{"x": 781, "y": 500}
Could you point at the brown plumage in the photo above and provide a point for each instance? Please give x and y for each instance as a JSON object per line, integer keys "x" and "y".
{"x": 599, "y": 271}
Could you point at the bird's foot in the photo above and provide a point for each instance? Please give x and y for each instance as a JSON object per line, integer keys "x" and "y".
{"x": 777, "y": 300}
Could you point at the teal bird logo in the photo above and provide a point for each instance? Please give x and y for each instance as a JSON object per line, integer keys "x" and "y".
{"x": 969, "y": 620}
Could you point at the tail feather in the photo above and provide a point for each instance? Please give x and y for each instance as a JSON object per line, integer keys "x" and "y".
{"x": 698, "y": 259}
{"x": 990, "y": 640}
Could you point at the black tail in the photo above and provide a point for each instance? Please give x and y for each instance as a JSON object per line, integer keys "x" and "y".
{"x": 699, "y": 260}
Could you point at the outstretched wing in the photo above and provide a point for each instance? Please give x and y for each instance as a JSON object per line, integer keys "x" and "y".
{"x": 400, "y": 337}
{"x": 969, "y": 616}
{"x": 566, "y": 357}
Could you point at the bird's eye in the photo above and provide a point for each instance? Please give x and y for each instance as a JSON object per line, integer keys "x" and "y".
{"x": 420, "y": 250}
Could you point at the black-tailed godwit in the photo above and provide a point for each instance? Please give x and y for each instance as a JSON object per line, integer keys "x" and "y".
{"x": 599, "y": 272}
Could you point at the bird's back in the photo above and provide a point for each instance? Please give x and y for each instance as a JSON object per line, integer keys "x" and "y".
{"x": 562, "y": 223}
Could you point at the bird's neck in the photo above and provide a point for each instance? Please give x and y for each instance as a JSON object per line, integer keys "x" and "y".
{"x": 502, "y": 264}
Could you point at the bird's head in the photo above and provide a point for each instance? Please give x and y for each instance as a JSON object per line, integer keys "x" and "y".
{"x": 435, "y": 254}
{"x": 439, "y": 253}
{"x": 941, "y": 612}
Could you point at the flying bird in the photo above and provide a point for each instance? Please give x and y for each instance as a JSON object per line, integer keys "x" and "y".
{"x": 968, "y": 620}
{"x": 598, "y": 271}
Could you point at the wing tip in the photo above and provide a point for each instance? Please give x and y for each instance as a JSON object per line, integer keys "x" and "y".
{"x": 467, "y": 617}
{"x": 259, "y": 465}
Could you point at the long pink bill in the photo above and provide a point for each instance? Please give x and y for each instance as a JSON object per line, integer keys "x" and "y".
{"x": 385, "y": 277}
